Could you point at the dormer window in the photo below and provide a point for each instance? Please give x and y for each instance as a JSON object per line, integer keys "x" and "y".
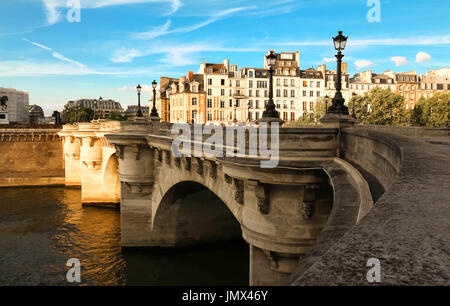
{"x": 210, "y": 70}
{"x": 194, "y": 88}
{"x": 222, "y": 71}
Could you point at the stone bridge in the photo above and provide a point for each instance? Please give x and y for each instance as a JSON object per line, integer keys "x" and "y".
{"x": 341, "y": 194}
{"x": 90, "y": 161}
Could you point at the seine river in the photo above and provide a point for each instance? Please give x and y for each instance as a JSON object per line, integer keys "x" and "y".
{"x": 41, "y": 228}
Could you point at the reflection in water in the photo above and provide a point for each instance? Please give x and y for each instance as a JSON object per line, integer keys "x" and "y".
{"x": 41, "y": 228}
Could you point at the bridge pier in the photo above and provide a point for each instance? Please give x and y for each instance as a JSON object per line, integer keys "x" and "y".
{"x": 72, "y": 161}
{"x": 90, "y": 161}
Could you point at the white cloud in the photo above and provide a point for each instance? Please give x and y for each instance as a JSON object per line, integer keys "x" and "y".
{"x": 54, "y": 53}
{"x": 31, "y": 68}
{"x": 54, "y": 8}
{"x": 409, "y": 41}
{"x": 51, "y": 10}
{"x": 399, "y": 60}
{"x": 155, "y": 31}
{"x": 125, "y": 55}
{"x": 361, "y": 64}
{"x": 422, "y": 57}
{"x": 329, "y": 59}
{"x": 145, "y": 88}
{"x": 175, "y": 56}
{"x": 164, "y": 29}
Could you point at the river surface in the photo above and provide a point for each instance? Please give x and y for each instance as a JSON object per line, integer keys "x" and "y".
{"x": 42, "y": 228}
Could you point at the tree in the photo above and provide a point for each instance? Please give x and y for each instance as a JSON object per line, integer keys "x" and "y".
{"x": 115, "y": 115}
{"x": 380, "y": 107}
{"x": 79, "y": 114}
{"x": 316, "y": 114}
{"x": 434, "y": 111}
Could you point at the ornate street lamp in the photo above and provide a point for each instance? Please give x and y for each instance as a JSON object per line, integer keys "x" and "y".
{"x": 139, "y": 111}
{"x": 154, "y": 110}
{"x": 338, "y": 106}
{"x": 270, "y": 111}
{"x": 100, "y": 104}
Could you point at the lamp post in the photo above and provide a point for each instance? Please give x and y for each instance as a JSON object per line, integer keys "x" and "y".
{"x": 154, "y": 112}
{"x": 101, "y": 107}
{"x": 326, "y": 103}
{"x": 338, "y": 101}
{"x": 235, "y": 106}
{"x": 139, "y": 111}
{"x": 353, "y": 106}
{"x": 270, "y": 111}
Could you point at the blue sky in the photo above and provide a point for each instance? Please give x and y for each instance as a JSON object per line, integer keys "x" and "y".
{"x": 120, "y": 43}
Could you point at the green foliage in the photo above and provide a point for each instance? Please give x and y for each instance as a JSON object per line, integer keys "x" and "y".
{"x": 115, "y": 115}
{"x": 314, "y": 116}
{"x": 380, "y": 107}
{"x": 79, "y": 114}
{"x": 433, "y": 112}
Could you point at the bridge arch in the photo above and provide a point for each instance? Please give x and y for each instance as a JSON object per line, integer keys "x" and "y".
{"x": 190, "y": 213}
{"x": 111, "y": 180}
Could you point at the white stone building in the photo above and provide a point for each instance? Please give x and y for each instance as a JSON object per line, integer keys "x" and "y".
{"x": 17, "y": 106}
{"x": 312, "y": 88}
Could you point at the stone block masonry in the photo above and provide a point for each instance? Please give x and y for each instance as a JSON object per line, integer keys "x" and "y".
{"x": 31, "y": 157}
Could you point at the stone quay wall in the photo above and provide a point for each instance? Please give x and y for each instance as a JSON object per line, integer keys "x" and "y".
{"x": 31, "y": 156}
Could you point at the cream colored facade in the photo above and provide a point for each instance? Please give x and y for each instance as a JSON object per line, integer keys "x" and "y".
{"x": 17, "y": 110}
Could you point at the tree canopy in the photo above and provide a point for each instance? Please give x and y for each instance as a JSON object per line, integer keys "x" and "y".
{"x": 79, "y": 114}
{"x": 380, "y": 107}
{"x": 434, "y": 111}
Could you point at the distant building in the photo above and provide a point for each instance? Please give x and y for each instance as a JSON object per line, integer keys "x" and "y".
{"x": 132, "y": 111}
{"x": 101, "y": 108}
{"x": 16, "y": 111}
{"x": 36, "y": 114}
{"x": 435, "y": 82}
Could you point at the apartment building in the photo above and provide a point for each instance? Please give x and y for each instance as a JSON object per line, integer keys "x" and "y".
{"x": 286, "y": 84}
{"x": 330, "y": 77}
{"x": 435, "y": 82}
{"x": 16, "y": 111}
{"x": 256, "y": 91}
{"x": 187, "y": 99}
{"x": 312, "y": 88}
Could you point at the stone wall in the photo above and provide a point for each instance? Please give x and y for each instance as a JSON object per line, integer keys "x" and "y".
{"x": 408, "y": 228}
{"x": 31, "y": 157}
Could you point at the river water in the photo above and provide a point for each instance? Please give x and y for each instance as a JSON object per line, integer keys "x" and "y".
{"x": 41, "y": 228}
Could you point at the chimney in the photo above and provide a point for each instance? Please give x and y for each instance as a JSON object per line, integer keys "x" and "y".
{"x": 323, "y": 69}
{"x": 183, "y": 79}
{"x": 344, "y": 67}
{"x": 190, "y": 75}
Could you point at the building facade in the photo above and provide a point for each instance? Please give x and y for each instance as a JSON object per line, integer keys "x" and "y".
{"x": 16, "y": 111}
{"x": 101, "y": 107}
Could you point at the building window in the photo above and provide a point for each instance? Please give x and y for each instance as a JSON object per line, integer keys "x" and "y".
{"x": 304, "y": 106}
{"x": 194, "y": 101}
{"x": 278, "y": 82}
{"x": 305, "y": 84}
{"x": 209, "y": 103}
{"x": 257, "y": 104}
{"x": 231, "y": 103}
{"x": 238, "y": 83}
{"x": 250, "y": 74}
{"x": 250, "y": 84}
{"x": 311, "y": 93}
{"x": 292, "y": 93}
{"x": 222, "y": 103}
{"x": 318, "y": 94}
{"x": 292, "y": 83}
{"x": 250, "y": 103}
{"x": 209, "y": 116}
{"x": 210, "y": 92}
{"x": 250, "y": 93}
{"x": 311, "y": 106}
{"x": 318, "y": 84}
{"x": 256, "y": 115}
{"x": 278, "y": 92}
{"x": 222, "y": 92}
{"x": 257, "y": 93}
{"x": 209, "y": 81}
{"x": 285, "y": 82}
{"x": 285, "y": 93}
